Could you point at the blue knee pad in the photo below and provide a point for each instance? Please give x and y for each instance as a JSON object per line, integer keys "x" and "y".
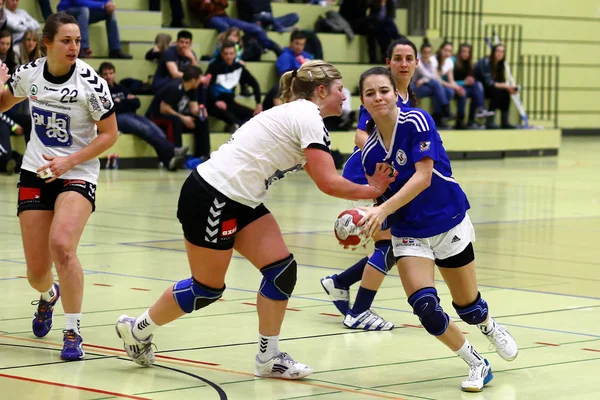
{"x": 382, "y": 258}
{"x": 279, "y": 279}
{"x": 426, "y": 305}
{"x": 191, "y": 295}
{"x": 475, "y": 313}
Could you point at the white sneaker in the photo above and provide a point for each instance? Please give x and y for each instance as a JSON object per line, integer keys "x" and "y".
{"x": 339, "y": 296}
{"x": 369, "y": 321}
{"x": 281, "y": 366}
{"x": 139, "y": 351}
{"x": 503, "y": 342}
{"x": 479, "y": 376}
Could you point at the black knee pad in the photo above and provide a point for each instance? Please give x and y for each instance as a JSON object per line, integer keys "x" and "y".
{"x": 279, "y": 279}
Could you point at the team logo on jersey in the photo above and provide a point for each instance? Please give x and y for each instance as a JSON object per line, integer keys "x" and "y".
{"x": 105, "y": 102}
{"x": 401, "y": 157}
{"x": 52, "y": 128}
{"x": 424, "y": 146}
{"x": 94, "y": 102}
{"x": 33, "y": 89}
{"x": 278, "y": 175}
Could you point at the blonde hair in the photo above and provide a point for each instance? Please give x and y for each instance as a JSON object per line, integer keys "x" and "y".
{"x": 35, "y": 54}
{"x": 162, "y": 41}
{"x": 301, "y": 83}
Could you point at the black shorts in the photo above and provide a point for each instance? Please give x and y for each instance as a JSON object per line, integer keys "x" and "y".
{"x": 36, "y": 194}
{"x": 209, "y": 218}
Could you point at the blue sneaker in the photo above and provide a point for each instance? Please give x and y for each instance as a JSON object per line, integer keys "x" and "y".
{"x": 42, "y": 319}
{"x": 73, "y": 346}
{"x": 339, "y": 295}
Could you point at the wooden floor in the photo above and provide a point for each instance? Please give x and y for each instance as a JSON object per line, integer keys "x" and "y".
{"x": 538, "y": 225}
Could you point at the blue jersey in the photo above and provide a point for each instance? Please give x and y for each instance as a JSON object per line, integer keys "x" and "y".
{"x": 441, "y": 206}
{"x": 353, "y": 169}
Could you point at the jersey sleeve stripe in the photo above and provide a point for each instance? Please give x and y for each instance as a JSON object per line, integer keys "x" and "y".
{"x": 319, "y": 146}
{"x": 108, "y": 114}
{"x": 419, "y": 115}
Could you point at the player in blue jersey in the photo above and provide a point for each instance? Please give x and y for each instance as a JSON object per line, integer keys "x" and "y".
{"x": 426, "y": 210}
{"x": 371, "y": 270}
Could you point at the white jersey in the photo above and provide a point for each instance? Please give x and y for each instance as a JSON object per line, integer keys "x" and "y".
{"x": 264, "y": 150}
{"x": 63, "y": 113}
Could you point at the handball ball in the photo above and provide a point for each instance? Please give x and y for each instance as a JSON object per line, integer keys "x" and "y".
{"x": 347, "y": 231}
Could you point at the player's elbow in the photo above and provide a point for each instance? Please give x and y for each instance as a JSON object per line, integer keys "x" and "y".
{"x": 425, "y": 179}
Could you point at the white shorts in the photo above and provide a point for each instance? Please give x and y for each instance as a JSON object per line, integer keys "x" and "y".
{"x": 441, "y": 246}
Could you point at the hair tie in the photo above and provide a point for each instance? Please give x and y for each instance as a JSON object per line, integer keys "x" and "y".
{"x": 294, "y": 73}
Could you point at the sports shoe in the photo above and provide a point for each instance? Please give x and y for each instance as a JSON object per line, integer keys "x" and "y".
{"x": 504, "y": 344}
{"x": 479, "y": 376}
{"x": 339, "y": 295}
{"x": 367, "y": 320}
{"x": 42, "y": 318}
{"x": 281, "y": 366}
{"x": 139, "y": 351}
{"x": 72, "y": 347}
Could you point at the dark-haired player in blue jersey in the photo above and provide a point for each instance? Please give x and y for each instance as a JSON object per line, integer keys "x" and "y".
{"x": 371, "y": 270}
{"x": 426, "y": 210}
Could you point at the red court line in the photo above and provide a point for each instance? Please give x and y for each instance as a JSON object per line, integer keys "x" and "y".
{"x": 292, "y": 309}
{"x": 330, "y": 315}
{"x": 64, "y": 385}
{"x": 547, "y": 344}
{"x": 249, "y": 304}
{"x": 594, "y": 350}
{"x": 95, "y": 346}
{"x": 101, "y": 284}
{"x": 142, "y": 289}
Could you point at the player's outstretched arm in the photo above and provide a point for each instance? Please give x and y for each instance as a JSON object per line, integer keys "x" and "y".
{"x": 7, "y": 100}
{"x": 321, "y": 168}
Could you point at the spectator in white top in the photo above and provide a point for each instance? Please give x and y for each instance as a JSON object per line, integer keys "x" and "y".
{"x": 18, "y": 20}
{"x": 428, "y": 83}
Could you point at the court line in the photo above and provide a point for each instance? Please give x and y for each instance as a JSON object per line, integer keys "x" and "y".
{"x": 64, "y": 385}
{"x": 217, "y": 388}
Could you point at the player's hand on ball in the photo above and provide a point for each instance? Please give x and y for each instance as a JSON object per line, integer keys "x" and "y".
{"x": 384, "y": 175}
{"x": 347, "y": 231}
{"x": 55, "y": 168}
{"x": 373, "y": 220}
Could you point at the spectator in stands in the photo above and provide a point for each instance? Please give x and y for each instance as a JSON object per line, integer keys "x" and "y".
{"x": 178, "y": 108}
{"x": 445, "y": 69}
{"x": 176, "y": 12}
{"x": 464, "y": 76}
{"x": 7, "y": 54}
{"x": 213, "y": 15}
{"x": 233, "y": 34}
{"x": 293, "y": 56}
{"x": 427, "y": 82}
{"x": 8, "y": 163}
{"x": 46, "y": 8}
{"x": 379, "y": 26}
{"x": 162, "y": 41}
{"x": 88, "y": 12}
{"x": 490, "y": 72}
{"x": 226, "y": 75}
{"x": 126, "y": 105}
{"x": 2, "y": 16}
{"x": 28, "y": 50}
{"x": 261, "y": 13}
{"x": 174, "y": 61}
{"x": 18, "y": 20}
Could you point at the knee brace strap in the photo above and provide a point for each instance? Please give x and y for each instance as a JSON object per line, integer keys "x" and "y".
{"x": 191, "y": 295}
{"x": 279, "y": 279}
{"x": 426, "y": 305}
{"x": 382, "y": 258}
{"x": 474, "y": 313}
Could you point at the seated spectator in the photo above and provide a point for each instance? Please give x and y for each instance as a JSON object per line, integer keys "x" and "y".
{"x": 8, "y": 162}
{"x": 490, "y": 72}
{"x": 176, "y": 12}
{"x": 230, "y": 35}
{"x": 293, "y": 56}
{"x": 177, "y": 108}
{"x": 174, "y": 61}
{"x": 464, "y": 76}
{"x": 46, "y": 8}
{"x": 7, "y": 54}
{"x": 28, "y": 50}
{"x": 18, "y": 20}
{"x": 2, "y": 16}
{"x": 226, "y": 74}
{"x": 126, "y": 105}
{"x": 213, "y": 15}
{"x": 261, "y": 13}
{"x": 88, "y": 12}
{"x": 427, "y": 82}
{"x": 162, "y": 41}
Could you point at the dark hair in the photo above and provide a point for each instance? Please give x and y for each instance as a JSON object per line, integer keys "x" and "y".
{"x": 404, "y": 41}
{"x": 297, "y": 35}
{"x": 370, "y": 72}
{"x": 301, "y": 83}
{"x": 184, "y": 35}
{"x": 425, "y": 44}
{"x": 438, "y": 54}
{"x": 226, "y": 45}
{"x": 191, "y": 72}
{"x": 54, "y": 22}
{"x": 497, "y": 68}
{"x": 106, "y": 66}
{"x": 10, "y": 54}
{"x": 464, "y": 65}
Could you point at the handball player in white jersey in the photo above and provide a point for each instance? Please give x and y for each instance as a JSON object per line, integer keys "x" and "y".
{"x": 73, "y": 122}
{"x": 221, "y": 209}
